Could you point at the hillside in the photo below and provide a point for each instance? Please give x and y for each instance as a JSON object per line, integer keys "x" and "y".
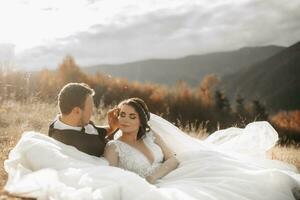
{"x": 274, "y": 81}
{"x": 190, "y": 69}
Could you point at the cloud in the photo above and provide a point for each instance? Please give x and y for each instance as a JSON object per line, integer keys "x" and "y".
{"x": 169, "y": 32}
{"x": 7, "y": 52}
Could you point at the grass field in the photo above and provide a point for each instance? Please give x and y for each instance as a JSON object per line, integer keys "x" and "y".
{"x": 15, "y": 118}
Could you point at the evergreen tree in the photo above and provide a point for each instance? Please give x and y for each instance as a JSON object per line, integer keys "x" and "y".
{"x": 259, "y": 111}
{"x": 221, "y": 102}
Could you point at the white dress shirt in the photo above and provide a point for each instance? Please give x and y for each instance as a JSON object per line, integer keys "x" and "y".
{"x": 89, "y": 129}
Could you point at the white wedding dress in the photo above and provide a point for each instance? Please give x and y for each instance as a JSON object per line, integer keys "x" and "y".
{"x": 134, "y": 160}
{"x": 229, "y": 164}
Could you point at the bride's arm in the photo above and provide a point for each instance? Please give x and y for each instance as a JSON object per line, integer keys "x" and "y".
{"x": 169, "y": 164}
{"x": 111, "y": 155}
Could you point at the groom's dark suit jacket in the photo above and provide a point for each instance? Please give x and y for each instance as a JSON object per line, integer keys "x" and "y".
{"x": 87, "y": 143}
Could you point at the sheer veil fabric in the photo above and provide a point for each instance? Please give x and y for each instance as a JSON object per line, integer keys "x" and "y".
{"x": 229, "y": 164}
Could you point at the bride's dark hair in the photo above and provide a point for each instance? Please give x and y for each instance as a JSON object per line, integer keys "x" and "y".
{"x": 142, "y": 109}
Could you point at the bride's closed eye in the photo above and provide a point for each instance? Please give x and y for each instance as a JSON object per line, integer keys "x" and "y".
{"x": 131, "y": 116}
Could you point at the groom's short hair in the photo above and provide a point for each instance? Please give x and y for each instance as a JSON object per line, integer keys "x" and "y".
{"x": 73, "y": 95}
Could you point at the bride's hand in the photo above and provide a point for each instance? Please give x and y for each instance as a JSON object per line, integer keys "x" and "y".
{"x": 150, "y": 179}
{"x": 113, "y": 121}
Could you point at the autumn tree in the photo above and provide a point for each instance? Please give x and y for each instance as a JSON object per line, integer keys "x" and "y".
{"x": 68, "y": 71}
{"x": 206, "y": 89}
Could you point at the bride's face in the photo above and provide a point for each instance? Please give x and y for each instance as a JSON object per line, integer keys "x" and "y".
{"x": 129, "y": 120}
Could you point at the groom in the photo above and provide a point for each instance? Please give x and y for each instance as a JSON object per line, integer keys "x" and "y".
{"x": 73, "y": 126}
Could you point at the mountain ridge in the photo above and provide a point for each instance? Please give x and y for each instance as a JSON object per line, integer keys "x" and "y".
{"x": 190, "y": 68}
{"x": 274, "y": 81}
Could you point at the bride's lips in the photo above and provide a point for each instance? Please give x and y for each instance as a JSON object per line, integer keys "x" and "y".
{"x": 124, "y": 125}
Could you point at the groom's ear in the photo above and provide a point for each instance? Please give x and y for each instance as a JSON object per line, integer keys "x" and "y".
{"x": 76, "y": 110}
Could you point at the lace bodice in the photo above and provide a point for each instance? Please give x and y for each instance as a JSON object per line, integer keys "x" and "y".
{"x": 134, "y": 160}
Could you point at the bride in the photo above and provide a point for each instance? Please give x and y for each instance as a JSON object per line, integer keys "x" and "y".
{"x": 138, "y": 149}
{"x": 229, "y": 164}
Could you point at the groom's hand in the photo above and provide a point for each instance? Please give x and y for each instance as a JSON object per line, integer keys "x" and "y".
{"x": 113, "y": 121}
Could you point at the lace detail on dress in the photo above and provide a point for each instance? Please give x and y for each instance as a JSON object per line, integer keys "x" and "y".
{"x": 150, "y": 136}
{"x": 134, "y": 160}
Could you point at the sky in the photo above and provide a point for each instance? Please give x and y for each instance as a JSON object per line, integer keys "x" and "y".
{"x": 38, "y": 34}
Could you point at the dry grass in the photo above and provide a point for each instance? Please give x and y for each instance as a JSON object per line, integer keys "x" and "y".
{"x": 287, "y": 154}
{"x": 15, "y": 118}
